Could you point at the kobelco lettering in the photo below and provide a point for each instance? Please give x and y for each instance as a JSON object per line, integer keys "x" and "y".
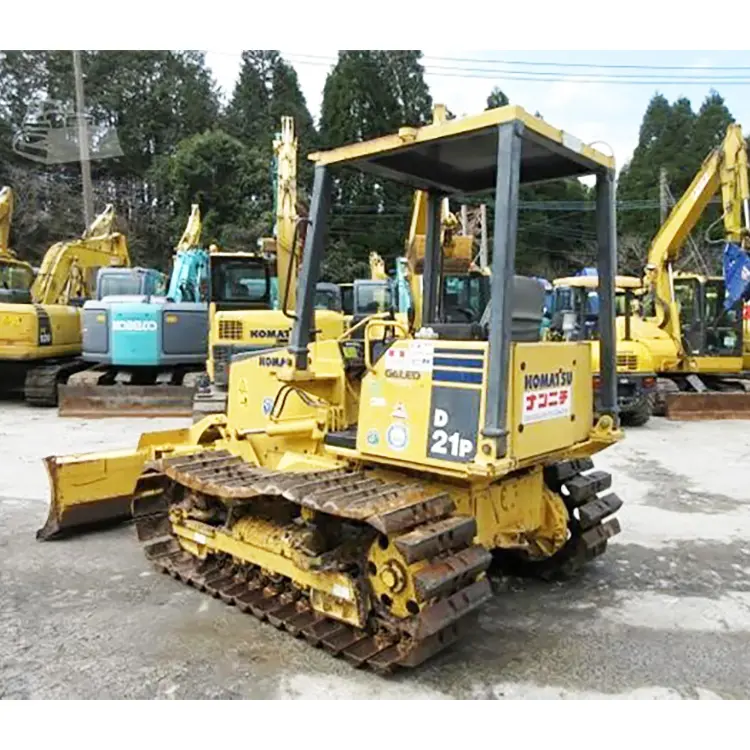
{"x": 134, "y": 325}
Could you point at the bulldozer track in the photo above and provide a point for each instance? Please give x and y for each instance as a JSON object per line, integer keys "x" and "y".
{"x": 451, "y": 575}
{"x": 450, "y": 582}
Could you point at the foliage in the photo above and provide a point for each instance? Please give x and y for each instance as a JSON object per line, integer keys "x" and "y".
{"x": 181, "y": 145}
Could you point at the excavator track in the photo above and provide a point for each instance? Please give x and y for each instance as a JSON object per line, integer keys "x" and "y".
{"x": 446, "y": 571}
{"x": 40, "y": 386}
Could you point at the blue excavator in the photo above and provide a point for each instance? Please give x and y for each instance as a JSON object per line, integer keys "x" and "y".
{"x": 146, "y": 351}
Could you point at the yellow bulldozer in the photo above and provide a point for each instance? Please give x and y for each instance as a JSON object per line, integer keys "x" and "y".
{"x": 355, "y": 490}
{"x": 40, "y": 324}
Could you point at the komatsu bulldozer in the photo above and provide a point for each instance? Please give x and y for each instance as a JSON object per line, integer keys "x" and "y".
{"x": 355, "y": 489}
{"x": 40, "y": 333}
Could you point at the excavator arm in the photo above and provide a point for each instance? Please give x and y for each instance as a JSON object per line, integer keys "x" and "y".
{"x": 65, "y": 273}
{"x": 285, "y": 151}
{"x": 6, "y": 214}
{"x": 725, "y": 168}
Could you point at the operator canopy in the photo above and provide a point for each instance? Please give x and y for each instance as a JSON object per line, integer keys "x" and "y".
{"x": 460, "y": 156}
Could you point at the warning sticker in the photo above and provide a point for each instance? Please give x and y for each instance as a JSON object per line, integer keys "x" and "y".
{"x": 415, "y": 357}
{"x": 542, "y": 405}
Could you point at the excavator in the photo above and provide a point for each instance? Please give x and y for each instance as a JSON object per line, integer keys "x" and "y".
{"x": 40, "y": 334}
{"x": 356, "y": 489}
{"x": 695, "y": 344}
{"x": 146, "y": 352}
{"x": 16, "y": 276}
{"x": 575, "y": 318}
{"x": 255, "y": 313}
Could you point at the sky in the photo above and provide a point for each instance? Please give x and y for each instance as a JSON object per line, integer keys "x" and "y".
{"x": 574, "y": 91}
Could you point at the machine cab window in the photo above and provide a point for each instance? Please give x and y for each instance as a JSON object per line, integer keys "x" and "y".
{"x": 240, "y": 282}
{"x": 464, "y": 298}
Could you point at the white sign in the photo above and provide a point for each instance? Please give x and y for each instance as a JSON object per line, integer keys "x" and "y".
{"x": 416, "y": 356}
{"x": 550, "y": 403}
{"x": 134, "y": 325}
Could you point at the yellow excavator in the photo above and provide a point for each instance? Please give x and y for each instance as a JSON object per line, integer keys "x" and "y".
{"x": 16, "y": 276}
{"x": 355, "y": 490}
{"x": 695, "y": 345}
{"x": 40, "y": 336}
{"x": 576, "y": 319}
{"x": 252, "y": 293}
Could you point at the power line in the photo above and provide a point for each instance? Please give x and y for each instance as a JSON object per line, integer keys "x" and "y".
{"x": 540, "y": 63}
{"x": 549, "y": 76}
{"x": 605, "y": 77}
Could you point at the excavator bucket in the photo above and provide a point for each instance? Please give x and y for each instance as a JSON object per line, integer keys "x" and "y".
{"x": 707, "y": 405}
{"x": 93, "y": 401}
{"x": 96, "y": 489}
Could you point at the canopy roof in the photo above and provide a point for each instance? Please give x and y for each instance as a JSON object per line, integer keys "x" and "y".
{"x": 460, "y": 156}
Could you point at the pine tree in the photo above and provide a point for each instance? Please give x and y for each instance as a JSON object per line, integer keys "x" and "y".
{"x": 366, "y": 95}
{"x": 497, "y": 98}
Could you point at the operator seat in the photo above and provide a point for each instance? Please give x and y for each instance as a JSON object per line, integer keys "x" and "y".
{"x": 527, "y": 312}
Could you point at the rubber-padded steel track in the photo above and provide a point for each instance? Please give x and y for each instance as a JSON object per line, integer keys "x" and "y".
{"x": 450, "y": 581}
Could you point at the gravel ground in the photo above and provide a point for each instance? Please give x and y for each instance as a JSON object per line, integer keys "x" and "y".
{"x": 665, "y": 613}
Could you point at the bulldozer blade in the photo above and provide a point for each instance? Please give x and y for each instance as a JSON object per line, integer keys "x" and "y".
{"x": 707, "y": 405}
{"x": 92, "y": 490}
{"x": 95, "y": 401}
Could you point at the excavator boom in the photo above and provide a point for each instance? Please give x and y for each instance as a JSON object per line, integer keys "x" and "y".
{"x": 705, "y": 364}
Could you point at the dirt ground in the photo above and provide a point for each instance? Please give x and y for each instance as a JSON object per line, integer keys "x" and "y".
{"x": 664, "y": 614}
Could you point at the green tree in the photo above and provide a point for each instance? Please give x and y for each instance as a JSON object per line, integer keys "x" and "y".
{"x": 267, "y": 89}
{"x": 497, "y": 98}
{"x": 229, "y": 181}
{"x": 369, "y": 94}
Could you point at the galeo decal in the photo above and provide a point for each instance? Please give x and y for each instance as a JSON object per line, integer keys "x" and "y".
{"x": 270, "y": 333}
{"x": 274, "y": 361}
{"x": 546, "y": 396}
{"x": 134, "y": 325}
{"x": 403, "y": 374}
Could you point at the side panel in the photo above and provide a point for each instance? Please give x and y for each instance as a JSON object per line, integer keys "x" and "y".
{"x": 135, "y": 336}
{"x": 185, "y": 330}
{"x": 35, "y": 332}
{"x": 552, "y": 397}
{"x": 95, "y": 329}
{"x": 424, "y": 402}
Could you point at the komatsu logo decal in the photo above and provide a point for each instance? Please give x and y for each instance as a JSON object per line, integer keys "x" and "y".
{"x": 275, "y": 362}
{"x": 547, "y": 396}
{"x": 261, "y": 333}
{"x": 558, "y": 379}
{"x": 134, "y": 325}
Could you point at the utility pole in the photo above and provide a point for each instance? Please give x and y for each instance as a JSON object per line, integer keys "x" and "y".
{"x": 663, "y": 195}
{"x": 83, "y": 143}
{"x": 483, "y": 259}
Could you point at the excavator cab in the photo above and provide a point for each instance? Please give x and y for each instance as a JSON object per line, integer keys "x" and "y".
{"x": 707, "y": 328}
